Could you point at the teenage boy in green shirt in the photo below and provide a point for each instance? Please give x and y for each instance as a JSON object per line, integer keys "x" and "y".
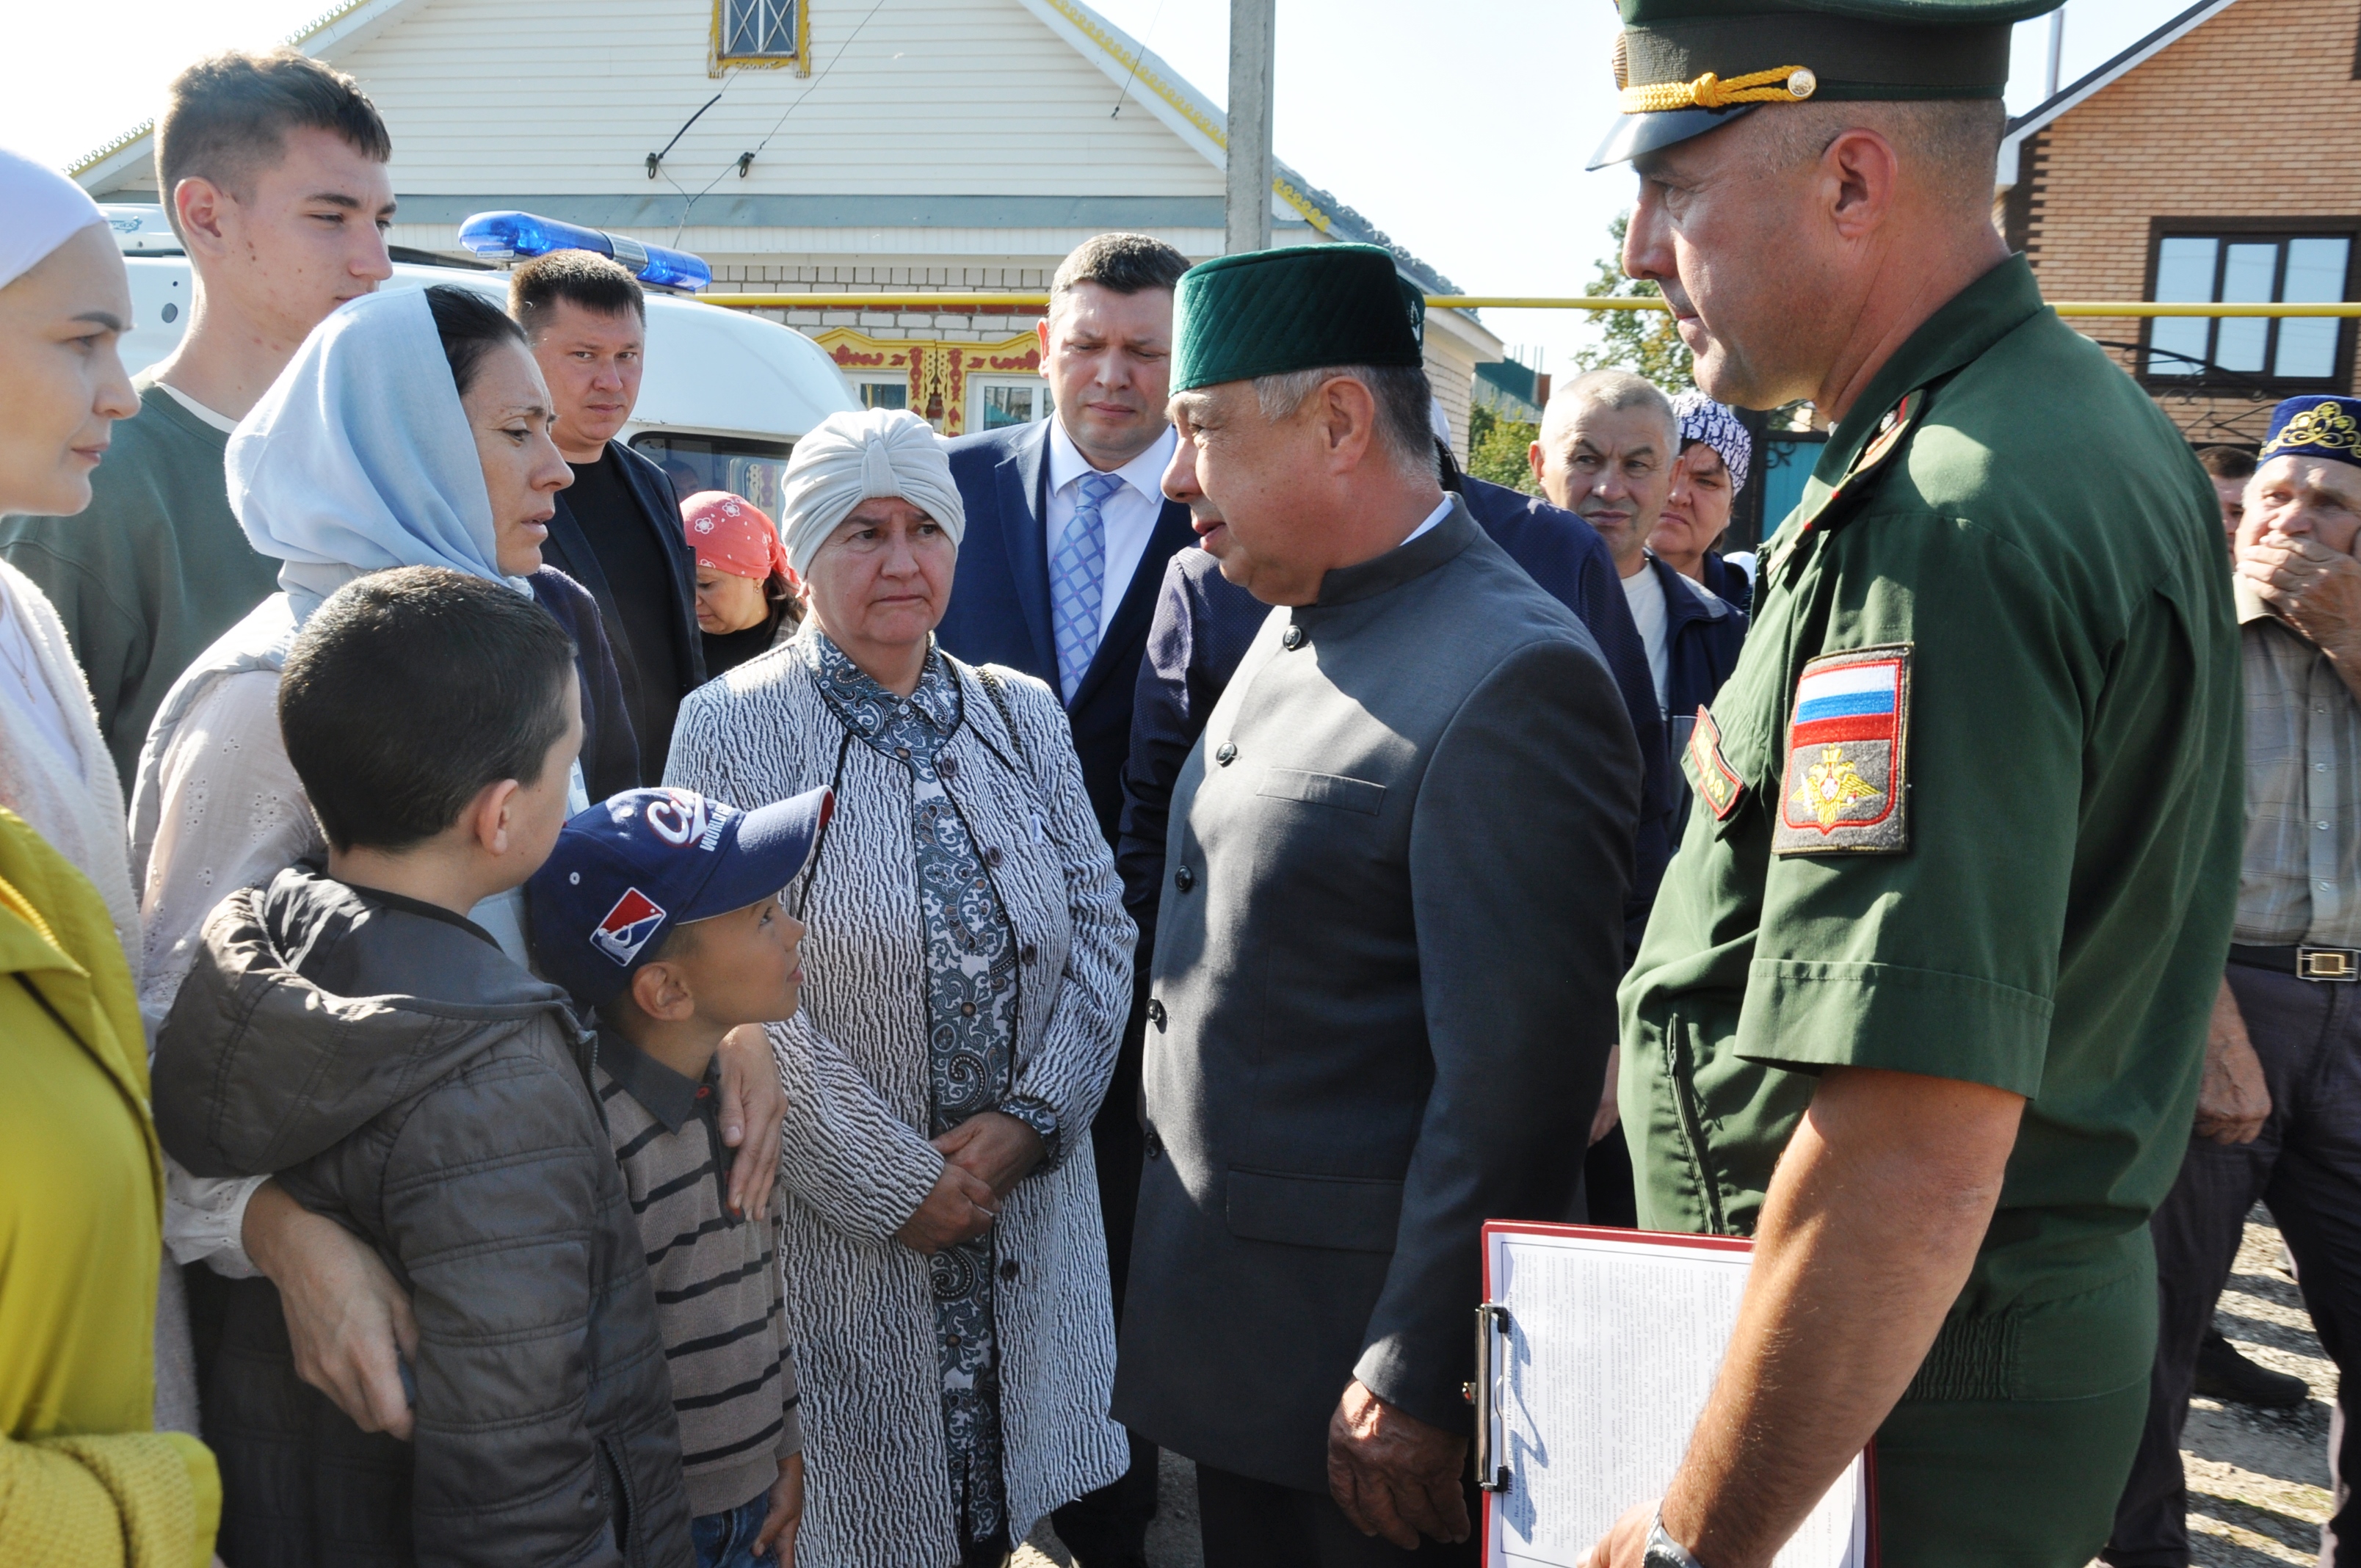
{"x": 273, "y": 171}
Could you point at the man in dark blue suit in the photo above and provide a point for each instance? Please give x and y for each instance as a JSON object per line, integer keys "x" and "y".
{"x": 1068, "y": 532}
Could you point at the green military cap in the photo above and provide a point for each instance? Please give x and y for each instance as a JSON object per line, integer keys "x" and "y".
{"x": 1686, "y": 67}
{"x": 1303, "y": 307}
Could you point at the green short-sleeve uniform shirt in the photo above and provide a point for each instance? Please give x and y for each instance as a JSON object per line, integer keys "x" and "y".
{"x": 1969, "y": 806}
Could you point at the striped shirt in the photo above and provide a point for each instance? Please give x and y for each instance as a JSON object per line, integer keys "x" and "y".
{"x": 719, "y": 1295}
{"x": 2301, "y": 880}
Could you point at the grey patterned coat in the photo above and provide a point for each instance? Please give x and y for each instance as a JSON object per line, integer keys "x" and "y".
{"x": 855, "y": 1065}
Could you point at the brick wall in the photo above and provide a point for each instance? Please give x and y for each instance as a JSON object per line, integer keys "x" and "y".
{"x": 2254, "y": 114}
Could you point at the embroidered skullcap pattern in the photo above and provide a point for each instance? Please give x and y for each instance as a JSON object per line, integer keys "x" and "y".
{"x": 2315, "y": 426}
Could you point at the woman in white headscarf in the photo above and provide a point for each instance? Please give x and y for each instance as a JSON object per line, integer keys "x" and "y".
{"x": 412, "y": 429}
{"x": 946, "y": 1268}
{"x": 84, "y": 1475}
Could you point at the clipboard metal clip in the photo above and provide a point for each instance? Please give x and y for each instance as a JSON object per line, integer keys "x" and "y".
{"x": 1491, "y": 1327}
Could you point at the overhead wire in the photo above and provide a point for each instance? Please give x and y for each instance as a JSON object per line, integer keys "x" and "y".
{"x": 744, "y": 160}
{"x": 1138, "y": 53}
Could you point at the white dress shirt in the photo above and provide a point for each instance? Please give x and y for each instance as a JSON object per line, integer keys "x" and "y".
{"x": 1127, "y": 517}
{"x": 1432, "y": 518}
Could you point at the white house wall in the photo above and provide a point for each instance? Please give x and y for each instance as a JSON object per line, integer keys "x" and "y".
{"x": 512, "y": 98}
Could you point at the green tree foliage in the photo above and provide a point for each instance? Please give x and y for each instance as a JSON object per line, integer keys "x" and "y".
{"x": 1496, "y": 449}
{"x": 1642, "y": 341}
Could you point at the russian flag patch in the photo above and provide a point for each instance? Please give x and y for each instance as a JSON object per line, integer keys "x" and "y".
{"x": 1847, "y": 782}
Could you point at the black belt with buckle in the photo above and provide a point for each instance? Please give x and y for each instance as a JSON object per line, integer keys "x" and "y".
{"x": 2339, "y": 965}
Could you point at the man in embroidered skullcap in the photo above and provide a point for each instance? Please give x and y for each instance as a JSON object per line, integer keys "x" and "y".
{"x": 1382, "y": 989}
{"x": 1923, "y": 1005}
{"x": 2281, "y": 1120}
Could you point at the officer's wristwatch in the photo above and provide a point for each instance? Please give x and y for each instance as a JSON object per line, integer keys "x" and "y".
{"x": 1664, "y": 1551}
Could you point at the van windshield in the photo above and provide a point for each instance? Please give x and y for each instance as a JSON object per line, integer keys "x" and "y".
{"x": 694, "y": 463}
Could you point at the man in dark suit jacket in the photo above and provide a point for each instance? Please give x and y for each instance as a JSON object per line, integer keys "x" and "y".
{"x": 617, "y": 529}
{"x": 1068, "y": 532}
{"x": 1204, "y": 623}
{"x": 1391, "y": 924}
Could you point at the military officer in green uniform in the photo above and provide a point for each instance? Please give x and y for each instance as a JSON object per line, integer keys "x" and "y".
{"x": 1922, "y": 1006}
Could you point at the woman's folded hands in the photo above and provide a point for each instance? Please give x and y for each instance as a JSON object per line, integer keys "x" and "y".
{"x": 983, "y": 1159}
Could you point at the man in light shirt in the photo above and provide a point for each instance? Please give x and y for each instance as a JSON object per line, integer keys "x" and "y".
{"x": 1068, "y": 533}
{"x": 272, "y": 168}
{"x": 1608, "y": 447}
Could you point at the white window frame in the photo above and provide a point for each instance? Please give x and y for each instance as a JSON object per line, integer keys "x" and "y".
{"x": 977, "y": 386}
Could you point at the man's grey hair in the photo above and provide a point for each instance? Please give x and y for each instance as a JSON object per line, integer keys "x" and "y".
{"x": 1951, "y": 146}
{"x": 1608, "y": 390}
{"x": 1405, "y": 432}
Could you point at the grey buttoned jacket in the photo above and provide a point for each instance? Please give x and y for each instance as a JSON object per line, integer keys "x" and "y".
{"x": 1382, "y": 997}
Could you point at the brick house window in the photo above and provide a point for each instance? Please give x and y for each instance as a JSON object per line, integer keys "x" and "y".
{"x": 2267, "y": 261}
{"x": 758, "y": 32}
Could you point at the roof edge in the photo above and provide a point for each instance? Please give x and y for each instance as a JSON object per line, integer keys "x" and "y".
{"x": 330, "y": 27}
{"x": 2097, "y": 79}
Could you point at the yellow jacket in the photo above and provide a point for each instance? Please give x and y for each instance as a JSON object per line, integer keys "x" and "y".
{"x": 84, "y": 1480}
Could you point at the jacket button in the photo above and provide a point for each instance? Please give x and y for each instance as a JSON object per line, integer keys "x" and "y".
{"x": 1227, "y": 755}
{"x": 1294, "y": 638}
{"x": 1152, "y": 1145}
{"x": 1156, "y": 1014}
{"x": 1008, "y": 1271}
{"x": 1184, "y": 878}
{"x": 947, "y": 767}
{"x": 992, "y": 857}
{"x": 1028, "y": 953}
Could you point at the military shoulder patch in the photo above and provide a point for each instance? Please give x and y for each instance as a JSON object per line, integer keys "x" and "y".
{"x": 1710, "y": 775}
{"x": 1847, "y": 785}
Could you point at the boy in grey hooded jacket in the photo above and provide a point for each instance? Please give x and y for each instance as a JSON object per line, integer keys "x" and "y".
{"x": 354, "y": 1033}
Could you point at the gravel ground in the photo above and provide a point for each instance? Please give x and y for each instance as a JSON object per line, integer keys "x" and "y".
{"x": 2258, "y": 1480}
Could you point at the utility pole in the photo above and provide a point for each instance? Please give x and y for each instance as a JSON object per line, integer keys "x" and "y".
{"x": 2056, "y": 52}
{"x": 1246, "y": 202}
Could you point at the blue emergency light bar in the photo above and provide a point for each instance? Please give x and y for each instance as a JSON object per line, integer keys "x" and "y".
{"x": 507, "y": 237}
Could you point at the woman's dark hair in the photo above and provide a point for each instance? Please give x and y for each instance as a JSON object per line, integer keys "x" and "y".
{"x": 469, "y": 325}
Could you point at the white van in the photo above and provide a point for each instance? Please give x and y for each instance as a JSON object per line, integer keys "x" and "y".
{"x": 725, "y": 394}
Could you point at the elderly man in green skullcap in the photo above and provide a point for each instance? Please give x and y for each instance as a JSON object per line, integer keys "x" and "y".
{"x": 1383, "y": 985}
{"x": 1922, "y": 1006}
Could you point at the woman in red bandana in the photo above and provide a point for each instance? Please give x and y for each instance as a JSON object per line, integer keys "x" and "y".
{"x": 746, "y": 594}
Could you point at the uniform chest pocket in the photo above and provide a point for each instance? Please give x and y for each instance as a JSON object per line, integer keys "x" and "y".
{"x": 1323, "y": 789}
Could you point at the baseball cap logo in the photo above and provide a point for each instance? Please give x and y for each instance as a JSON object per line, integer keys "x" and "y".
{"x": 627, "y": 926}
{"x": 681, "y": 819}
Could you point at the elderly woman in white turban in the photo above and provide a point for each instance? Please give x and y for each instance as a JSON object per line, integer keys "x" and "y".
{"x": 969, "y": 973}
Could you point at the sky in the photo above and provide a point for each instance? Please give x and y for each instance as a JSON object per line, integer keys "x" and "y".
{"x": 1461, "y": 131}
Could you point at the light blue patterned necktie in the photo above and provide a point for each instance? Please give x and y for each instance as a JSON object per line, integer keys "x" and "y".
{"x": 1077, "y": 571}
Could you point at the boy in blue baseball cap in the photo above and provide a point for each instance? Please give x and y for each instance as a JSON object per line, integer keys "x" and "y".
{"x": 662, "y": 913}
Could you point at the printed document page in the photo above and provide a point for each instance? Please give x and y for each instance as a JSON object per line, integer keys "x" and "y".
{"x": 1611, "y": 1349}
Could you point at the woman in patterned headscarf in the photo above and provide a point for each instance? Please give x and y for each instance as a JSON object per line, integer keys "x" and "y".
{"x": 1715, "y": 452}
{"x": 946, "y": 1272}
{"x": 748, "y": 598}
